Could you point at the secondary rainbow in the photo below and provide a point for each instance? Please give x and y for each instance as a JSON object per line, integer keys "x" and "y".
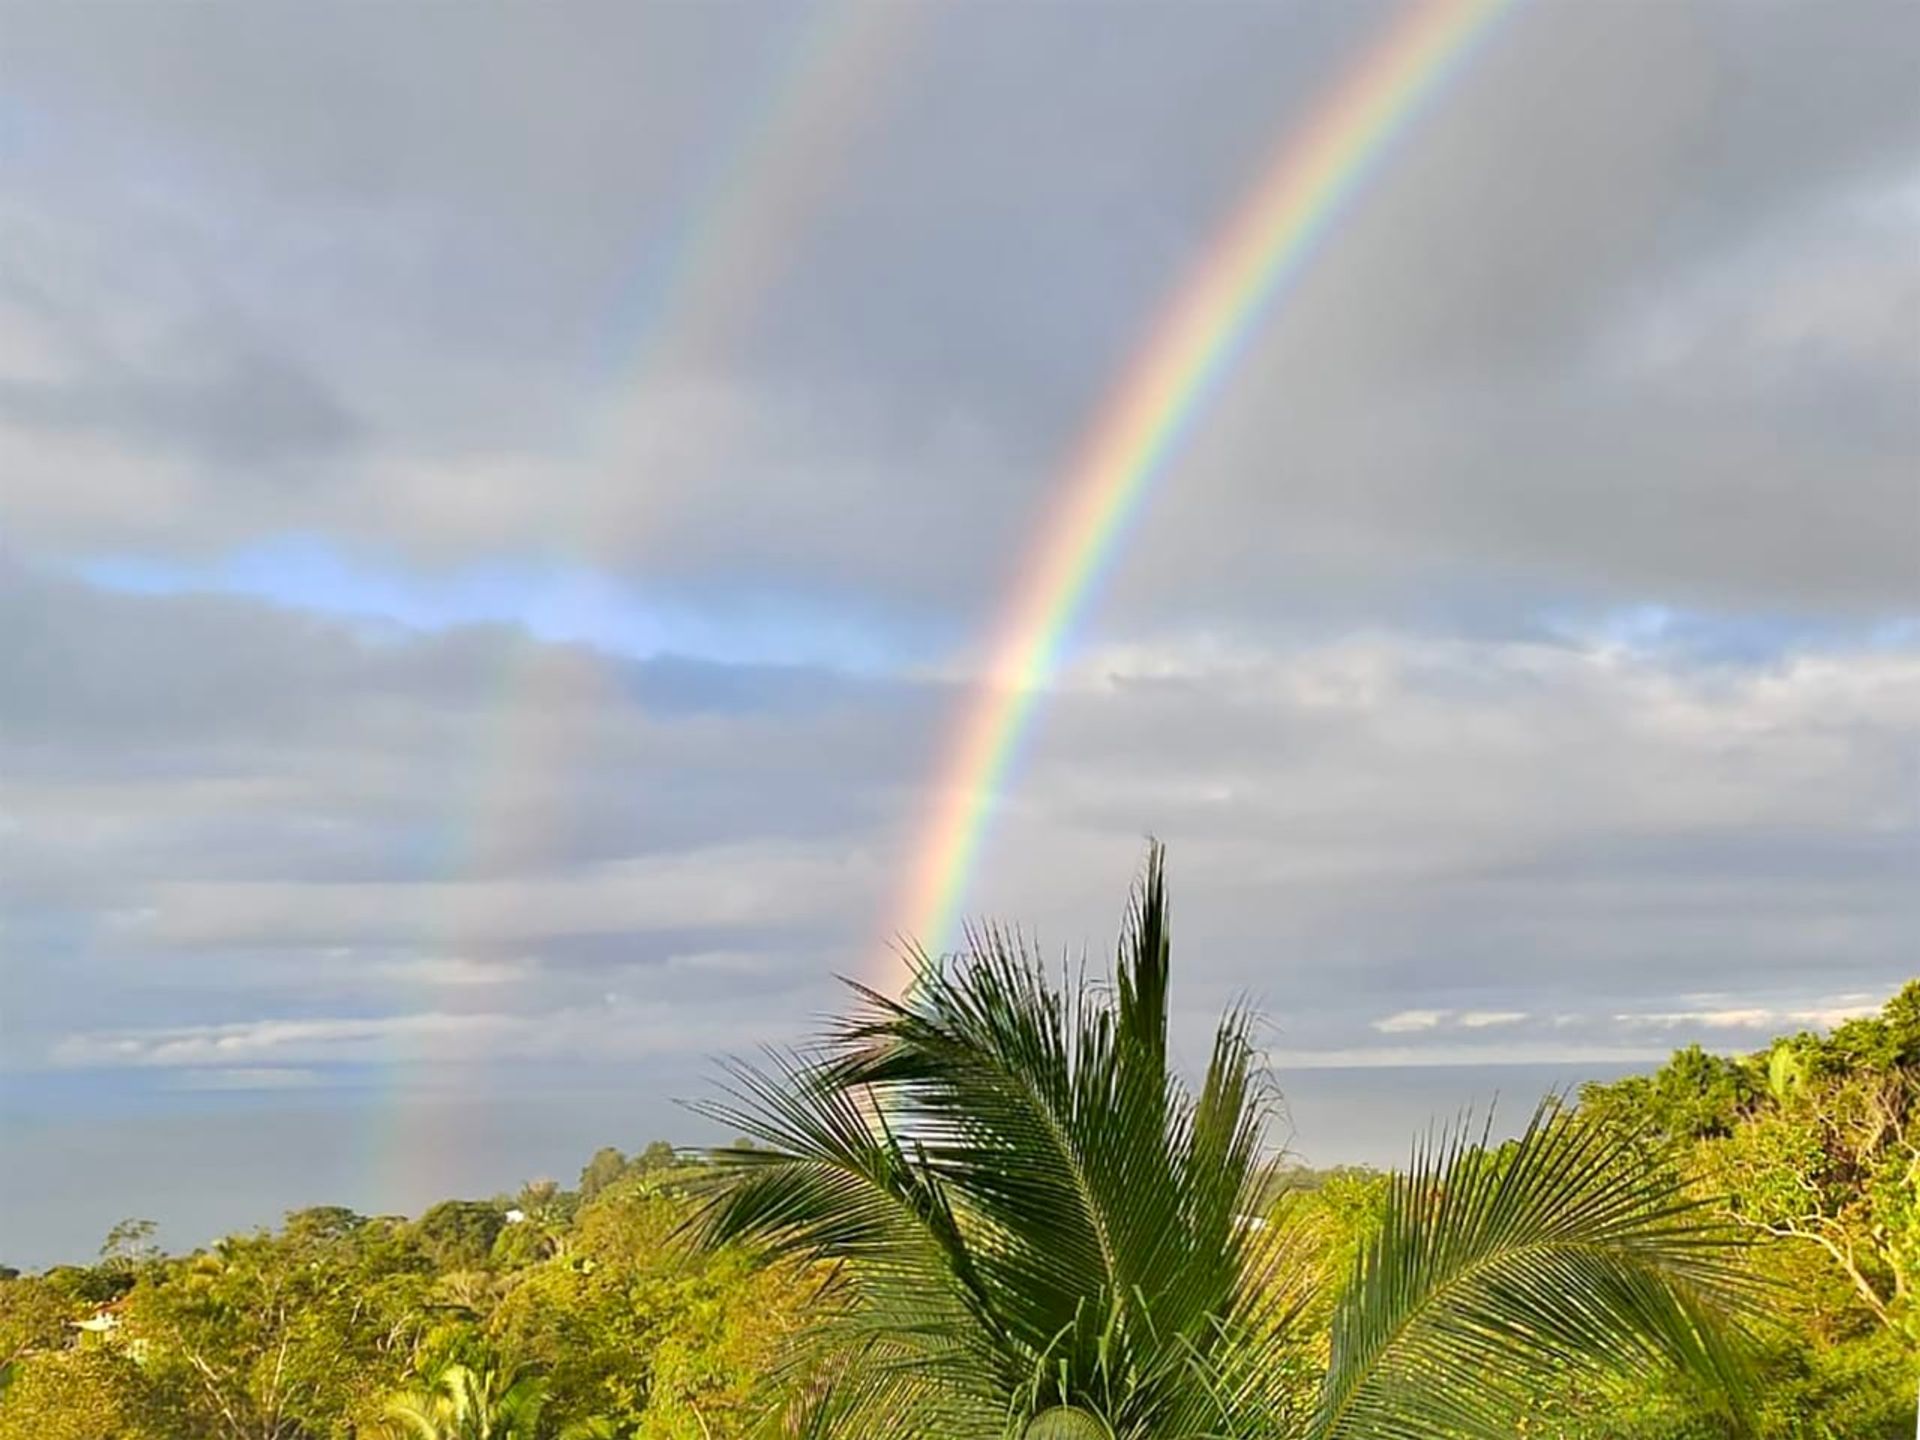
{"x": 1251, "y": 265}
{"x": 708, "y": 270}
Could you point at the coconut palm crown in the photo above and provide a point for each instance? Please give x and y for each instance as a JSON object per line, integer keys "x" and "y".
{"x": 1031, "y": 1228}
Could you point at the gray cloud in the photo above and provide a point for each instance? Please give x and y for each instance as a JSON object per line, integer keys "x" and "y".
{"x": 222, "y": 805}
{"x": 1519, "y": 655}
{"x": 1460, "y": 387}
{"x": 252, "y": 410}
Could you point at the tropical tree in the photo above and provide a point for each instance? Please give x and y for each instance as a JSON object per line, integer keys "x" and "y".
{"x": 1026, "y": 1225}
{"x": 267, "y": 1337}
{"x": 606, "y": 1166}
{"x": 462, "y": 1403}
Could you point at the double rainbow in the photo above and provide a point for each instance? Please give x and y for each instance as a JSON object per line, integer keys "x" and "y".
{"x": 1256, "y": 259}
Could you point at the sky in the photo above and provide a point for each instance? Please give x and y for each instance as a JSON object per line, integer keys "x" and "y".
{"x": 502, "y": 510}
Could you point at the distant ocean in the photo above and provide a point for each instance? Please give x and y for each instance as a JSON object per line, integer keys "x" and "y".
{"x": 81, "y": 1151}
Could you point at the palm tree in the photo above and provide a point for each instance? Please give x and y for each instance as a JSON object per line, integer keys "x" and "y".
{"x": 1030, "y": 1229}
{"x": 466, "y": 1404}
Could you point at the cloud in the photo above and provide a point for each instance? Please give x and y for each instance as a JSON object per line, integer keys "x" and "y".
{"x": 372, "y": 1038}
{"x": 1406, "y": 1021}
{"x": 1629, "y": 295}
{"x": 238, "y": 1054}
{"x": 457, "y": 970}
{"x": 691, "y": 890}
{"x": 473, "y": 587}
{"x": 253, "y": 410}
{"x": 1822, "y": 1015}
{"x": 216, "y": 808}
{"x": 1374, "y": 1057}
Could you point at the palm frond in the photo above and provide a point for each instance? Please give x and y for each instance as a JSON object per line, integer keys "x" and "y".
{"x": 1018, "y": 1186}
{"x": 1495, "y": 1267}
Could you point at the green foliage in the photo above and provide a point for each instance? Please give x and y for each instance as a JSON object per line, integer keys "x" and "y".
{"x": 325, "y": 1330}
{"x": 1696, "y": 1095}
{"x": 1065, "y": 1422}
{"x": 1559, "y": 1254}
{"x": 518, "y": 1246}
{"x": 606, "y": 1166}
{"x": 633, "y": 1328}
{"x": 289, "y": 1335}
{"x": 34, "y": 1315}
{"x": 609, "y": 1167}
{"x": 461, "y": 1403}
{"x": 90, "y": 1393}
{"x": 88, "y": 1284}
{"x": 128, "y": 1245}
{"x": 659, "y": 1155}
{"x": 1813, "y": 1149}
{"x": 460, "y": 1233}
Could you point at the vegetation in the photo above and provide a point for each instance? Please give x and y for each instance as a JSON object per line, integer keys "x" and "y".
{"x": 582, "y": 1319}
{"x": 1814, "y": 1146}
{"x": 1034, "y": 1229}
{"x": 992, "y": 1208}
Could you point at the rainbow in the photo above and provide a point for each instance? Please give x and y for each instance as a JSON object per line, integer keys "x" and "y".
{"x": 1256, "y": 259}
{"x": 683, "y": 306}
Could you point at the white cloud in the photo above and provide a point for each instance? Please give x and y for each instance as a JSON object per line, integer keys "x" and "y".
{"x": 455, "y": 970}
{"x": 1821, "y": 1014}
{"x": 617, "y": 1028}
{"x": 1363, "y": 1057}
{"x": 387, "y": 1037}
{"x": 1406, "y": 1021}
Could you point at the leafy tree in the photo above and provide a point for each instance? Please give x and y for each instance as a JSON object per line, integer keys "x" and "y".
{"x": 1034, "y": 1229}
{"x": 632, "y": 1326}
{"x": 460, "y": 1233}
{"x": 1820, "y": 1162}
{"x": 1696, "y": 1095}
{"x": 322, "y": 1223}
{"x": 89, "y": 1284}
{"x": 128, "y": 1245}
{"x": 606, "y": 1166}
{"x": 280, "y": 1337}
{"x": 525, "y": 1244}
{"x": 95, "y": 1393}
{"x": 659, "y": 1155}
{"x": 544, "y": 1201}
{"x": 33, "y": 1317}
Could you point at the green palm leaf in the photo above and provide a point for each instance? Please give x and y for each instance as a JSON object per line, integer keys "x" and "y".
{"x": 1063, "y": 1422}
{"x": 1495, "y": 1268}
{"x": 465, "y": 1404}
